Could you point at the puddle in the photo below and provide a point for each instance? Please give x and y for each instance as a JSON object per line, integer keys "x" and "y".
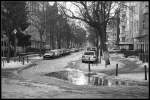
{"x": 78, "y": 77}
{"x": 9, "y": 74}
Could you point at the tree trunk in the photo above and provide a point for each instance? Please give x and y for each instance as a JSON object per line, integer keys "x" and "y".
{"x": 102, "y": 39}
{"x": 104, "y": 46}
{"x": 52, "y": 38}
{"x": 97, "y": 41}
{"x": 59, "y": 40}
{"x": 8, "y": 45}
{"x": 100, "y": 48}
{"x": 40, "y": 44}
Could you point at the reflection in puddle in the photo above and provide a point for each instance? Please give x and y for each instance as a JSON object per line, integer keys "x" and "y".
{"x": 78, "y": 77}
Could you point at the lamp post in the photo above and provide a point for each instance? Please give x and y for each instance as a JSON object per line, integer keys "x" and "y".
{"x": 15, "y": 31}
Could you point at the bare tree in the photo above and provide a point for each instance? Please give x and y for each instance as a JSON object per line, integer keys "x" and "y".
{"x": 96, "y": 14}
{"x": 37, "y": 16}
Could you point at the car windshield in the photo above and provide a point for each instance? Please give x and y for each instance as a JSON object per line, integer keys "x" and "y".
{"x": 89, "y": 53}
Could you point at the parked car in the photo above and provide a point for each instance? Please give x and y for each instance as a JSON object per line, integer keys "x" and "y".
{"x": 114, "y": 50}
{"x": 88, "y": 48}
{"x": 56, "y": 52}
{"x": 67, "y": 51}
{"x": 93, "y": 49}
{"x": 81, "y": 48}
{"x": 72, "y": 50}
{"x": 60, "y": 51}
{"x": 49, "y": 54}
{"x": 76, "y": 50}
{"x": 87, "y": 55}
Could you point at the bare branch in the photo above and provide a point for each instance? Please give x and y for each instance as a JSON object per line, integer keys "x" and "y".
{"x": 63, "y": 10}
{"x": 84, "y": 4}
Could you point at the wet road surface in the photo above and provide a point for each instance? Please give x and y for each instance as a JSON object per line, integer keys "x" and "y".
{"x": 51, "y": 79}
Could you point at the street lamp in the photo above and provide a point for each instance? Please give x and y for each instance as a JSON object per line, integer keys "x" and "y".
{"x": 15, "y": 31}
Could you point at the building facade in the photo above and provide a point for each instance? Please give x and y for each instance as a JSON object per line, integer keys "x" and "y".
{"x": 141, "y": 38}
{"x": 113, "y": 30}
{"x": 134, "y": 26}
{"x": 126, "y": 36}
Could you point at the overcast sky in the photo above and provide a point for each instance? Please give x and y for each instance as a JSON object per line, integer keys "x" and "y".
{"x": 74, "y": 9}
{"x": 70, "y": 6}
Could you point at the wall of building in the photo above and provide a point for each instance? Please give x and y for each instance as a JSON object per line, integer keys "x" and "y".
{"x": 142, "y": 37}
{"x": 134, "y": 24}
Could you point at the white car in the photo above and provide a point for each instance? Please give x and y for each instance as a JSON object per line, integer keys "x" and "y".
{"x": 56, "y": 52}
{"x": 89, "y": 56}
{"x": 49, "y": 54}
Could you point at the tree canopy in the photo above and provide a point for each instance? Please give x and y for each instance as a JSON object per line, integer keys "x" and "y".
{"x": 14, "y": 16}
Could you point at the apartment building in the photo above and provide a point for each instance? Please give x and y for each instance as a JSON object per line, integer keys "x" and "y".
{"x": 134, "y": 26}
{"x": 141, "y": 39}
{"x": 113, "y": 31}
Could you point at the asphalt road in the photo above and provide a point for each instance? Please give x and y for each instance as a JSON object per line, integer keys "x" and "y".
{"x": 32, "y": 83}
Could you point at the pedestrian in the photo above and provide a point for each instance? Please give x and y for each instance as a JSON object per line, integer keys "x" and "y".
{"x": 106, "y": 58}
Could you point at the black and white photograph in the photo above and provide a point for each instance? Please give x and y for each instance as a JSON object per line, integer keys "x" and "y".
{"x": 74, "y": 49}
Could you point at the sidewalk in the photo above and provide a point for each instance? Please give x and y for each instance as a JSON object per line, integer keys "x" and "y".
{"x": 13, "y": 65}
{"x": 128, "y": 68}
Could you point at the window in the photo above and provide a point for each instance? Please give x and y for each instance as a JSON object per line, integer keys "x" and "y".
{"x": 143, "y": 24}
{"x": 123, "y": 39}
{"x": 123, "y": 27}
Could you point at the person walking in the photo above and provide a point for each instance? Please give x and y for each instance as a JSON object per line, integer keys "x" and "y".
{"x": 106, "y": 58}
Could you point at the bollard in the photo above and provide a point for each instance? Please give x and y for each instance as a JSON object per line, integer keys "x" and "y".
{"x": 145, "y": 72}
{"x": 27, "y": 59}
{"x": 88, "y": 78}
{"x": 19, "y": 58}
{"x": 89, "y": 65}
{"x": 116, "y": 69}
{"x": 23, "y": 60}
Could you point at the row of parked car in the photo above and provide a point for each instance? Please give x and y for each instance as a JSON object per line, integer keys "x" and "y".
{"x": 59, "y": 52}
